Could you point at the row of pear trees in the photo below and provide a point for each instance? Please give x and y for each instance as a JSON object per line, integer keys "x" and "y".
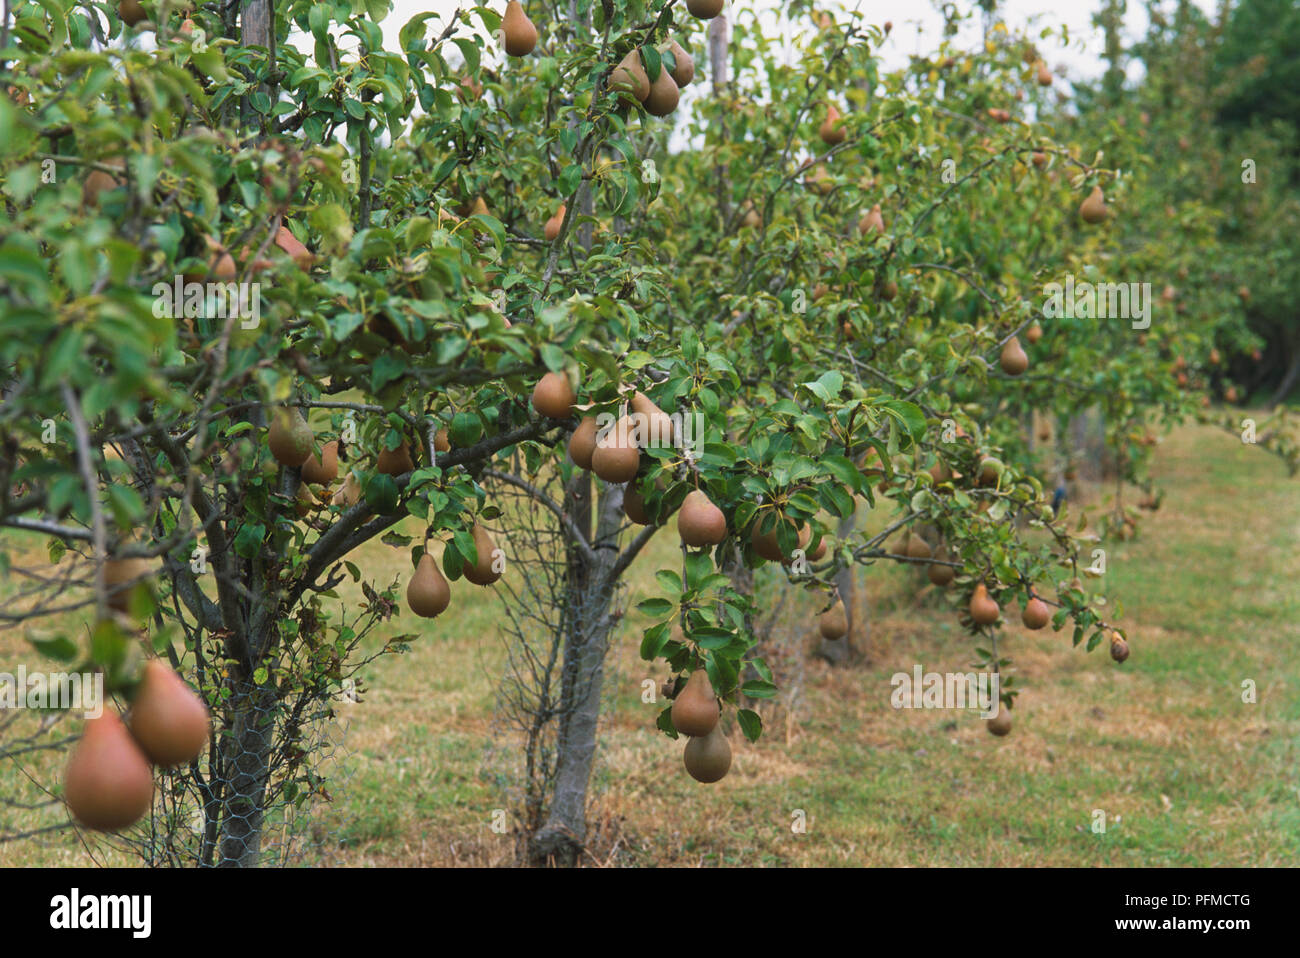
{"x": 460, "y": 256}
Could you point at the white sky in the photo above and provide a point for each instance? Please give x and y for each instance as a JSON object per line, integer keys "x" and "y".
{"x": 917, "y": 25}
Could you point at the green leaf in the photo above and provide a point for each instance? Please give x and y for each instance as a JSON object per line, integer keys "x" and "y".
{"x": 60, "y": 648}
{"x": 655, "y": 608}
{"x": 751, "y": 723}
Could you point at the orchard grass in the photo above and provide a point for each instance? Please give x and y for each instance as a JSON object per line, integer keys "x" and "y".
{"x": 1185, "y": 773}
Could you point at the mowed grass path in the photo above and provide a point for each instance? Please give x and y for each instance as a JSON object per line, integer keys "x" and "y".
{"x": 1184, "y": 772}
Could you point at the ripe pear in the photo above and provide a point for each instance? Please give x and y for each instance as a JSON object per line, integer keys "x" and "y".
{"x": 1035, "y": 614}
{"x": 616, "y": 457}
{"x": 117, "y": 574}
{"x": 324, "y": 470}
{"x": 629, "y": 77}
{"x": 441, "y": 441}
{"x": 684, "y": 71}
{"x": 553, "y": 396}
{"x": 482, "y": 572}
{"x": 552, "y": 228}
{"x": 1000, "y": 724}
{"x": 832, "y": 129}
{"x": 695, "y": 711}
{"x": 768, "y": 546}
{"x": 131, "y": 12}
{"x": 990, "y": 471}
{"x": 941, "y": 575}
{"x": 750, "y": 217}
{"x": 872, "y": 222}
{"x": 1034, "y": 333}
{"x": 1039, "y": 158}
{"x": 663, "y": 95}
{"x": 289, "y": 243}
{"x": 704, "y": 9}
{"x": 1118, "y": 647}
{"x": 1093, "y": 209}
{"x": 657, "y": 425}
{"x": 108, "y": 783}
{"x": 917, "y": 548}
{"x": 583, "y": 443}
{"x": 634, "y": 505}
{"x": 1014, "y": 360}
{"x": 349, "y": 494}
{"x": 834, "y": 622}
{"x": 428, "y": 593}
{"x": 700, "y": 522}
{"x": 169, "y": 721}
{"x": 983, "y": 609}
{"x": 1044, "y": 75}
{"x": 520, "y": 34}
{"x": 708, "y": 759}
{"x": 304, "y": 501}
{"x": 290, "y": 438}
{"x": 395, "y": 462}
{"x": 97, "y": 182}
{"x": 817, "y": 551}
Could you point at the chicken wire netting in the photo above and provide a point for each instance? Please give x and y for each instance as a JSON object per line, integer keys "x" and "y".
{"x": 265, "y": 794}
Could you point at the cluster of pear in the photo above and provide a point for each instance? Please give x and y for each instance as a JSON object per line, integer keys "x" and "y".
{"x": 108, "y": 783}
{"x": 661, "y": 96}
{"x": 428, "y": 593}
{"x": 696, "y": 713}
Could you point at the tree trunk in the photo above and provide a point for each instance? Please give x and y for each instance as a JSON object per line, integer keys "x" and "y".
{"x": 842, "y": 651}
{"x": 245, "y": 759}
{"x": 1288, "y": 381}
{"x": 587, "y": 628}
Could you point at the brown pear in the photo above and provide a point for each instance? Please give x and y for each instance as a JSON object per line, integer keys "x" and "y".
{"x": 634, "y": 505}
{"x": 1093, "y": 209}
{"x": 983, "y": 609}
{"x": 289, "y": 438}
{"x": 1118, "y": 647}
{"x": 700, "y": 522}
{"x": 1035, "y": 614}
{"x": 428, "y": 593}
{"x": 441, "y": 441}
{"x": 349, "y": 494}
{"x": 131, "y": 12}
{"x": 663, "y": 95}
{"x": 750, "y": 217}
{"x": 97, "y": 182}
{"x": 834, "y": 622}
{"x": 629, "y": 77}
{"x": 656, "y": 425}
{"x": 168, "y": 719}
{"x": 1039, "y": 159}
{"x": 1044, "y": 75}
{"x": 1000, "y": 724}
{"x": 767, "y": 544}
{"x": 941, "y": 575}
{"x": 616, "y": 457}
{"x": 304, "y": 501}
{"x": 520, "y": 34}
{"x": 708, "y": 759}
{"x": 552, "y": 229}
{"x": 872, "y": 222}
{"x": 483, "y": 571}
{"x": 121, "y": 579}
{"x": 832, "y": 129}
{"x": 1014, "y": 360}
{"x": 395, "y": 462}
{"x": 583, "y": 443}
{"x": 818, "y": 551}
{"x": 553, "y": 396}
{"x": 917, "y": 548}
{"x": 684, "y": 71}
{"x": 324, "y": 470}
{"x": 289, "y": 243}
{"x": 695, "y": 710}
{"x": 1034, "y": 333}
{"x": 704, "y": 9}
{"x": 108, "y": 783}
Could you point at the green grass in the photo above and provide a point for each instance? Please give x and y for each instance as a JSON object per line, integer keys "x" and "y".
{"x": 1184, "y": 771}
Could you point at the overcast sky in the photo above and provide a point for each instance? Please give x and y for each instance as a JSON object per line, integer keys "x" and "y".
{"x": 917, "y": 25}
